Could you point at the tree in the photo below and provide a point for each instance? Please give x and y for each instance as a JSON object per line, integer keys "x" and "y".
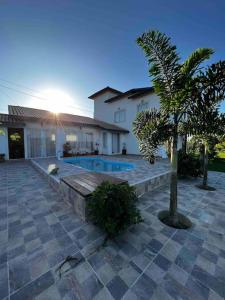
{"x": 172, "y": 83}
{"x": 204, "y": 117}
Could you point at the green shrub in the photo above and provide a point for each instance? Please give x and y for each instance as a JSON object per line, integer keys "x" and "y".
{"x": 188, "y": 165}
{"x": 113, "y": 207}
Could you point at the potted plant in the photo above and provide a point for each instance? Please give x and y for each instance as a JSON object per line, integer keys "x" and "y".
{"x": 66, "y": 149}
{"x": 96, "y": 148}
{"x": 2, "y": 157}
{"x": 124, "y": 150}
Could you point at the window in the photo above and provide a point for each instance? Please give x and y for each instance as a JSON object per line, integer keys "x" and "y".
{"x": 50, "y": 142}
{"x": 34, "y": 143}
{"x": 71, "y": 137}
{"x": 104, "y": 140}
{"x": 89, "y": 141}
{"x": 120, "y": 116}
{"x": 143, "y": 105}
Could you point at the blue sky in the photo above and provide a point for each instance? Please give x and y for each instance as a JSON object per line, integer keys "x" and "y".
{"x": 81, "y": 46}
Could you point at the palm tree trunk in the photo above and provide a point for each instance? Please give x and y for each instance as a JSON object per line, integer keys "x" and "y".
{"x": 173, "y": 182}
{"x": 172, "y": 217}
{"x": 184, "y": 143}
{"x": 205, "y": 166}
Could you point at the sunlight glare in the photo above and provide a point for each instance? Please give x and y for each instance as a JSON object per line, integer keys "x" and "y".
{"x": 53, "y": 100}
{"x": 57, "y": 100}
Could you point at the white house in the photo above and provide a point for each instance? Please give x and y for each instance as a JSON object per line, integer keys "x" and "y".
{"x": 120, "y": 108}
{"x": 29, "y": 133}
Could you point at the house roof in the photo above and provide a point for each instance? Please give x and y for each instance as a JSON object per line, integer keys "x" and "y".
{"x": 132, "y": 94}
{"x": 10, "y": 119}
{"x": 33, "y": 114}
{"x": 102, "y": 91}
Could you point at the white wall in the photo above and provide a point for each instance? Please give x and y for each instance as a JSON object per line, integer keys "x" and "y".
{"x": 4, "y": 142}
{"x": 61, "y": 136}
{"x": 105, "y": 112}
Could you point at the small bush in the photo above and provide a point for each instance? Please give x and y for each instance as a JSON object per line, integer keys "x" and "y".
{"x": 188, "y": 165}
{"x": 113, "y": 207}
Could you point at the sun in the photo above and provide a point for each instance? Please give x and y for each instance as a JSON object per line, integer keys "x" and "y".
{"x": 56, "y": 100}
{"x": 53, "y": 100}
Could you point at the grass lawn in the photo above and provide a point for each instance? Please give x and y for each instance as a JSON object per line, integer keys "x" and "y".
{"x": 217, "y": 164}
{"x": 221, "y": 155}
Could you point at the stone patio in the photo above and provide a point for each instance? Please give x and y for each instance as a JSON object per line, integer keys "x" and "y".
{"x": 149, "y": 261}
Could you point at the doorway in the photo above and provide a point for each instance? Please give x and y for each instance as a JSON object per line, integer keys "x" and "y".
{"x": 115, "y": 143}
{"x": 16, "y": 143}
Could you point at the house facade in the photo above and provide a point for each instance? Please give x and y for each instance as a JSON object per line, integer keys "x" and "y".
{"x": 31, "y": 133}
{"x": 120, "y": 108}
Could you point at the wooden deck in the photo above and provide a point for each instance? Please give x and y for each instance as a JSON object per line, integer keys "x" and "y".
{"x": 86, "y": 183}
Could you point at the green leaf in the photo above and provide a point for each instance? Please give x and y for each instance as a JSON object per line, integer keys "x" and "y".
{"x": 189, "y": 67}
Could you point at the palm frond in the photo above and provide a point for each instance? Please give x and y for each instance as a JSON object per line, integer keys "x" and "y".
{"x": 163, "y": 60}
{"x": 190, "y": 66}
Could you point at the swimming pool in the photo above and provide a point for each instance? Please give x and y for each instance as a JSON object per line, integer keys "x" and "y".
{"x": 99, "y": 164}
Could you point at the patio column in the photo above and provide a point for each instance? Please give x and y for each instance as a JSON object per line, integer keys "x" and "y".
{"x": 43, "y": 143}
{"x": 60, "y": 140}
{"x": 109, "y": 143}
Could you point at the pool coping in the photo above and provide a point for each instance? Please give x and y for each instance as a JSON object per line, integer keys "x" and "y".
{"x": 78, "y": 202}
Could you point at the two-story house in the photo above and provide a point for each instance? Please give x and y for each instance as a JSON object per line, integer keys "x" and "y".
{"x": 120, "y": 108}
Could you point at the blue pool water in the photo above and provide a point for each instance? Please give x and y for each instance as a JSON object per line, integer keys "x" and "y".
{"x": 99, "y": 164}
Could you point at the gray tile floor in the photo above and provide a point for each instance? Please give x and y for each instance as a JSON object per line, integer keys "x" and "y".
{"x": 148, "y": 261}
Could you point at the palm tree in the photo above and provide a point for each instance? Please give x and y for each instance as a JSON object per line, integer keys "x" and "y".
{"x": 172, "y": 83}
{"x": 204, "y": 117}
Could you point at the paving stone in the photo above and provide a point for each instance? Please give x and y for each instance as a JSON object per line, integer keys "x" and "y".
{"x": 82, "y": 272}
{"x": 16, "y": 252}
{"x": 155, "y": 273}
{"x": 19, "y": 273}
{"x": 143, "y": 259}
{"x": 155, "y": 245}
{"x": 185, "y": 259}
{"x": 96, "y": 260}
{"x": 34, "y": 288}
{"x": 3, "y": 281}
{"x": 51, "y": 293}
{"x": 208, "y": 280}
{"x": 176, "y": 290}
{"x": 144, "y": 287}
{"x": 103, "y": 294}
{"x": 178, "y": 274}
{"x": 197, "y": 288}
{"x": 117, "y": 287}
{"x": 33, "y": 245}
{"x": 162, "y": 262}
{"x": 38, "y": 264}
{"x": 91, "y": 287}
{"x": 129, "y": 274}
{"x": 106, "y": 273}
